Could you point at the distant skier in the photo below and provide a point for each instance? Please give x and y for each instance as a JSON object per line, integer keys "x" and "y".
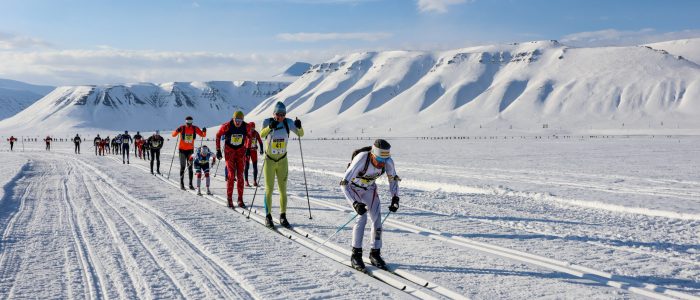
{"x": 76, "y": 141}
{"x": 156, "y": 143}
{"x": 96, "y": 142}
{"x": 235, "y": 134}
{"x": 48, "y": 140}
{"x": 188, "y": 134}
{"x": 12, "y": 141}
{"x": 117, "y": 144}
{"x": 145, "y": 147}
{"x": 276, "y": 134}
{"x": 138, "y": 140}
{"x": 360, "y": 190}
{"x": 200, "y": 160}
{"x": 251, "y": 152}
{"x": 104, "y": 145}
{"x": 126, "y": 140}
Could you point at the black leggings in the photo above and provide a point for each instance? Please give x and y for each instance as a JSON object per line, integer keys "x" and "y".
{"x": 255, "y": 169}
{"x": 77, "y": 148}
{"x": 155, "y": 155}
{"x": 184, "y": 158}
{"x": 125, "y": 151}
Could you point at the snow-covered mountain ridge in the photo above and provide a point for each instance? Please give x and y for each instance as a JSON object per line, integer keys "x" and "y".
{"x": 141, "y": 105}
{"x": 16, "y": 96}
{"x": 523, "y": 86}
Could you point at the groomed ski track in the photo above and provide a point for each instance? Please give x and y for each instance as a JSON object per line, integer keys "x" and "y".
{"x": 605, "y": 278}
{"x": 144, "y": 239}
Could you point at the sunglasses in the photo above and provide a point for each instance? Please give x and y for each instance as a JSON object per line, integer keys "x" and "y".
{"x": 280, "y": 114}
{"x": 238, "y": 120}
{"x": 380, "y": 160}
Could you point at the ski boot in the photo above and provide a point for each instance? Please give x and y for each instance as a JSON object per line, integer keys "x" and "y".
{"x": 255, "y": 183}
{"x": 209, "y": 192}
{"x": 356, "y": 260}
{"x": 283, "y": 220}
{"x": 268, "y": 222}
{"x": 127, "y": 162}
{"x": 191, "y": 187}
{"x": 230, "y": 203}
{"x": 376, "y": 260}
{"x": 247, "y": 184}
{"x": 199, "y": 192}
{"x": 240, "y": 203}
{"x": 182, "y": 184}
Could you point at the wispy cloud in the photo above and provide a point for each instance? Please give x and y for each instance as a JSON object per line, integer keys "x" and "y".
{"x": 10, "y": 41}
{"x": 110, "y": 65}
{"x": 437, "y": 6}
{"x": 614, "y": 37}
{"x": 330, "y": 36}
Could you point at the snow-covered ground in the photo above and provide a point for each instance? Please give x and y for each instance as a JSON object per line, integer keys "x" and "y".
{"x": 490, "y": 218}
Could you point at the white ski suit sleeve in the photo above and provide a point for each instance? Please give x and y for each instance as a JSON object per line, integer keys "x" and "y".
{"x": 393, "y": 178}
{"x": 355, "y": 167}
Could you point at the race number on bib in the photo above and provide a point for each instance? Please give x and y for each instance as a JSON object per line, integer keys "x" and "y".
{"x": 279, "y": 146}
{"x": 189, "y": 138}
{"x": 236, "y": 139}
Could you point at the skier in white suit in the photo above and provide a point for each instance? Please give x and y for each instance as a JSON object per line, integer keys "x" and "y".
{"x": 360, "y": 189}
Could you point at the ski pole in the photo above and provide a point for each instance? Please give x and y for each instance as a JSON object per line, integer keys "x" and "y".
{"x": 336, "y": 232}
{"x": 250, "y": 208}
{"x": 218, "y": 162}
{"x": 308, "y": 202}
{"x": 173, "y": 158}
{"x": 386, "y": 217}
{"x": 259, "y": 175}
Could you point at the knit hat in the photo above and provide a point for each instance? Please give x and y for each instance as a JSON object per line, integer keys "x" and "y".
{"x": 280, "y": 108}
{"x": 381, "y": 148}
{"x": 238, "y": 115}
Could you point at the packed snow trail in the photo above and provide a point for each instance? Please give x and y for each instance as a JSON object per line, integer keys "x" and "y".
{"x": 75, "y": 230}
{"x": 516, "y": 221}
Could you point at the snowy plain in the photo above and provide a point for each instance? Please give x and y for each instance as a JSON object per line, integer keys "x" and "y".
{"x": 79, "y": 226}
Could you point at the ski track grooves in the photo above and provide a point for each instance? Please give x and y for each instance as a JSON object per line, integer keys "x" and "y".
{"x": 310, "y": 242}
{"x": 85, "y": 261}
{"x": 213, "y": 273}
{"x": 9, "y": 264}
{"x": 645, "y": 289}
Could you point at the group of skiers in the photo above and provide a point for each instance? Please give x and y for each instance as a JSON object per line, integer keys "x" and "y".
{"x": 241, "y": 145}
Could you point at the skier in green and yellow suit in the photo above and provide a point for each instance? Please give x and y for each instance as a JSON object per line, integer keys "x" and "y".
{"x": 276, "y": 134}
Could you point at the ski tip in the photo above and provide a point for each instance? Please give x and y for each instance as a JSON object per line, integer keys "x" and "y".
{"x": 403, "y": 288}
{"x": 307, "y": 235}
{"x": 426, "y": 284}
{"x": 290, "y": 236}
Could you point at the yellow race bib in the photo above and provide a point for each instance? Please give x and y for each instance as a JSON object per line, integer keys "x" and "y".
{"x": 236, "y": 139}
{"x": 189, "y": 138}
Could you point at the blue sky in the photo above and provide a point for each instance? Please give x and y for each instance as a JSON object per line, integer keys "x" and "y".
{"x": 97, "y": 41}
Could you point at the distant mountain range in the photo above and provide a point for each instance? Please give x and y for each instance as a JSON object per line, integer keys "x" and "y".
{"x": 532, "y": 87}
{"x": 141, "y": 106}
{"x": 16, "y": 96}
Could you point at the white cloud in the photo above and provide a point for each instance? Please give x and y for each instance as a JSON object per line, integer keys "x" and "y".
{"x": 614, "y": 37}
{"x": 437, "y": 6}
{"x": 10, "y": 41}
{"x": 109, "y": 65}
{"x": 315, "y": 36}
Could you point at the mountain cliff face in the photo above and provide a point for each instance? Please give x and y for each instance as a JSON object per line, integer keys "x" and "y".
{"x": 142, "y": 106}
{"x": 526, "y": 87}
